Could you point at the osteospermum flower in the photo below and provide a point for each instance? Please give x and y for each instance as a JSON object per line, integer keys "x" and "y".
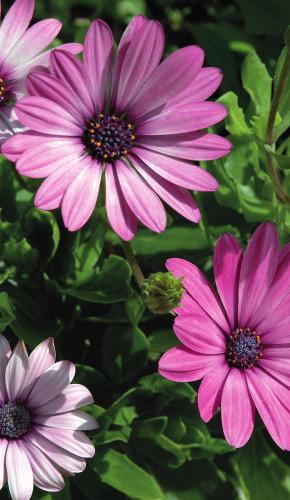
{"x": 41, "y": 428}
{"x": 238, "y": 343}
{"x": 133, "y": 117}
{"x": 21, "y": 49}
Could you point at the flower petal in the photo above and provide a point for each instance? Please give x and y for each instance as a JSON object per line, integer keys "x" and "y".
{"x": 19, "y": 472}
{"x": 120, "y": 216}
{"x": 210, "y": 392}
{"x": 143, "y": 202}
{"x": 16, "y": 371}
{"x": 227, "y": 263}
{"x": 51, "y": 383}
{"x": 203, "y": 86}
{"x": 5, "y": 353}
{"x": 14, "y": 24}
{"x": 238, "y": 411}
{"x": 45, "y": 475}
{"x": 75, "y": 442}
{"x": 257, "y": 271}
{"x": 81, "y": 197}
{"x": 200, "y": 333}
{"x": 3, "y": 473}
{"x": 72, "y": 397}
{"x": 75, "y": 420}
{"x": 15, "y": 146}
{"x": 41, "y": 358}
{"x": 182, "y": 365}
{"x": 199, "y": 288}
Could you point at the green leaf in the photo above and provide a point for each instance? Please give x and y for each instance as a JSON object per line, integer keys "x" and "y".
{"x": 135, "y": 308}
{"x": 160, "y": 342}
{"x": 158, "y": 384}
{"x": 257, "y": 82}
{"x": 43, "y": 230}
{"x": 235, "y": 122}
{"x": 6, "y": 311}
{"x": 284, "y": 102}
{"x": 118, "y": 471}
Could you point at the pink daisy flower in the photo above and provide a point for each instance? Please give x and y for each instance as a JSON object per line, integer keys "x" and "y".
{"x": 237, "y": 342}
{"x": 40, "y": 425}
{"x": 134, "y": 119}
{"x": 21, "y": 49}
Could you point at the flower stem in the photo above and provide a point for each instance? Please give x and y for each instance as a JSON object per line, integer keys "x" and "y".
{"x": 136, "y": 269}
{"x": 274, "y": 172}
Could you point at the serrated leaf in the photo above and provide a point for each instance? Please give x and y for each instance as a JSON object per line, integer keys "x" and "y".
{"x": 257, "y": 82}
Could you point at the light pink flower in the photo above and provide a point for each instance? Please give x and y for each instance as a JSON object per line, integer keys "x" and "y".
{"x": 237, "y": 342}
{"x": 21, "y": 49}
{"x": 136, "y": 119}
{"x": 40, "y": 425}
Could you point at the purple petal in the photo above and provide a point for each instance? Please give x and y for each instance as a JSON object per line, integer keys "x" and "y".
{"x": 190, "y": 118}
{"x": 257, "y": 271}
{"x": 45, "y": 475}
{"x": 19, "y": 472}
{"x": 143, "y": 202}
{"x": 72, "y": 397}
{"x": 41, "y": 358}
{"x": 16, "y": 371}
{"x": 81, "y": 197}
{"x": 14, "y": 24}
{"x": 182, "y": 365}
{"x": 278, "y": 368}
{"x": 238, "y": 411}
{"x": 227, "y": 263}
{"x": 203, "y": 86}
{"x": 210, "y": 392}
{"x": 178, "y": 172}
{"x": 51, "y": 383}
{"x": 200, "y": 333}
{"x": 75, "y": 420}
{"x": 5, "y": 353}
{"x": 15, "y": 146}
{"x": 75, "y": 442}
{"x": 199, "y": 288}
{"x": 121, "y": 218}
{"x": 98, "y": 60}
{"x": 3, "y": 473}
{"x": 168, "y": 80}
{"x": 141, "y": 58}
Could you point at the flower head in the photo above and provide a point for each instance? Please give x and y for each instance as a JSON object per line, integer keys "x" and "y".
{"x": 40, "y": 424}
{"x": 138, "y": 121}
{"x": 238, "y": 341}
{"x": 162, "y": 292}
{"x": 21, "y": 50}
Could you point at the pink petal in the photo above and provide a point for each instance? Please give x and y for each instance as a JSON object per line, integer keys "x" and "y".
{"x": 15, "y": 24}
{"x": 46, "y": 116}
{"x": 168, "y": 80}
{"x": 141, "y": 58}
{"x": 227, "y": 263}
{"x": 16, "y": 371}
{"x": 190, "y": 146}
{"x": 41, "y": 358}
{"x": 278, "y": 368}
{"x": 203, "y": 86}
{"x": 61, "y": 458}
{"x": 121, "y": 218}
{"x": 272, "y": 412}
{"x": 187, "y": 305}
{"x": 3, "y": 473}
{"x": 75, "y": 442}
{"x": 189, "y": 118}
{"x": 19, "y": 472}
{"x": 5, "y": 353}
{"x": 17, "y": 144}
{"x": 98, "y": 60}
{"x": 238, "y": 411}
{"x": 72, "y": 397}
{"x": 199, "y": 288}
{"x": 178, "y": 172}
{"x": 200, "y": 333}
{"x": 176, "y": 197}
{"x": 274, "y": 324}
{"x": 45, "y": 475}
{"x": 257, "y": 271}
{"x": 210, "y": 392}
{"x": 35, "y": 40}
{"x": 51, "y": 383}
{"x": 182, "y": 365}
{"x": 81, "y": 197}
{"x": 143, "y": 202}
{"x": 75, "y": 420}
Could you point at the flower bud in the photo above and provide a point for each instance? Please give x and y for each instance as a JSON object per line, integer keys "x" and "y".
{"x": 162, "y": 292}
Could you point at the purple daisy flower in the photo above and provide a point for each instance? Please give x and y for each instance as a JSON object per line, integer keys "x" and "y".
{"x": 21, "y": 49}
{"x": 237, "y": 342}
{"x": 40, "y": 425}
{"x": 137, "y": 120}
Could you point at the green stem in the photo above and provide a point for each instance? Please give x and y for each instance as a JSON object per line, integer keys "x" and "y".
{"x": 136, "y": 269}
{"x": 274, "y": 172}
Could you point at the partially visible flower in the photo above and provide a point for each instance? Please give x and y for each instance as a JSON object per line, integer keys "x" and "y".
{"x": 162, "y": 292}
{"x": 138, "y": 121}
{"x": 21, "y": 50}
{"x": 40, "y": 425}
{"x": 237, "y": 342}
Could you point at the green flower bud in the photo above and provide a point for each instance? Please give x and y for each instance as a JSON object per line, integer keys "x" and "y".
{"x": 162, "y": 292}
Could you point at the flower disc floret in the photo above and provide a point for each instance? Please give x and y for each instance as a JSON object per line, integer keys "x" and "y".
{"x": 15, "y": 420}
{"x": 244, "y": 348}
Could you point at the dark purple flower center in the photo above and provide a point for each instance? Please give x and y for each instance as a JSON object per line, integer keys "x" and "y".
{"x": 244, "y": 348}
{"x": 107, "y": 137}
{"x": 5, "y": 94}
{"x": 14, "y": 420}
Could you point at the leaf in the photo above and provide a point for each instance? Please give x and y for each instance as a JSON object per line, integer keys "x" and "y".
{"x": 161, "y": 341}
{"x": 257, "y": 82}
{"x": 118, "y": 471}
{"x": 158, "y": 384}
{"x": 135, "y": 308}
{"x": 6, "y": 311}
{"x": 43, "y": 230}
{"x": 235, "y": 122}
{"x": 284, "y": 101}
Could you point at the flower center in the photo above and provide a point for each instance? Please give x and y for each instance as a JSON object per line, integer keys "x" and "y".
{"x": 107, "y": 137}
{"x": 14, "y": 420}
{"x": 244, "y": 348}
{"x": 4, "y": 93}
